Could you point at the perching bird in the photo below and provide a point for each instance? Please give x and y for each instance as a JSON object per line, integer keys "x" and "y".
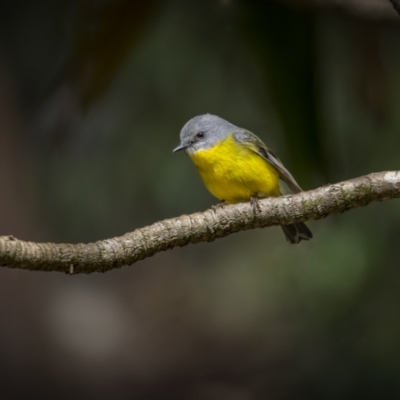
{"x": 236, "y": 166}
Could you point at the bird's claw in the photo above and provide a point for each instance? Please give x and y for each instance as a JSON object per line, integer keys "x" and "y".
{"x": 218, "y": 206}
{"x": 254, "y": 201}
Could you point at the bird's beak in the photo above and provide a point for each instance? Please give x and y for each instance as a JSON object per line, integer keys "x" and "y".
{"x": 179, "y": 148}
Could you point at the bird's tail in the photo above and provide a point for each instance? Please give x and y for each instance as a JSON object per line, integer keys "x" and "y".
{"x": 297, "y": 232}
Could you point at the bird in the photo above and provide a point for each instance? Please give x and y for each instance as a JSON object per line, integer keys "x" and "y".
{"x": 236, "y": 166}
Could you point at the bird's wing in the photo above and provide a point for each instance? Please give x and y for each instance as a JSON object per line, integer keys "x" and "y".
{"x": 253, "y": 143}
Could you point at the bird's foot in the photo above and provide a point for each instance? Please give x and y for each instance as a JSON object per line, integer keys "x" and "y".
{"x": 218, "y": 206}
{"x": 254, "y": 201}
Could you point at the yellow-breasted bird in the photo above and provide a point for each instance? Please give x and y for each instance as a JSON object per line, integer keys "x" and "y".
{"x": 236, "y": 166}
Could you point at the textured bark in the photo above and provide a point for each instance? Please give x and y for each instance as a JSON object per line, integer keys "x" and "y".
{"x": 112, "y": 253}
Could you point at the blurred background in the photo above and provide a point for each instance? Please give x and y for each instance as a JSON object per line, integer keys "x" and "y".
{"x": 93, "y": 95}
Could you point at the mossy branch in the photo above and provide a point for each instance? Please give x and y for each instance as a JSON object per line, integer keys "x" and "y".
{"x": 113, "y": 253}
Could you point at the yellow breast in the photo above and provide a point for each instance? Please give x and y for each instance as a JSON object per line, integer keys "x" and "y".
{"x": 234, "y": 173}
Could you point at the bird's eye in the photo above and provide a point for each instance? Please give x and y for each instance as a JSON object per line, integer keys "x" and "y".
{"x": 200, "y": 135}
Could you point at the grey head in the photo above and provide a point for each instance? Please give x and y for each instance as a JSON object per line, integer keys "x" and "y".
{"x": 203, "y": 132}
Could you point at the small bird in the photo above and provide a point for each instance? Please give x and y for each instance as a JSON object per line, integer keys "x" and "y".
{"x": 236, "y": 166}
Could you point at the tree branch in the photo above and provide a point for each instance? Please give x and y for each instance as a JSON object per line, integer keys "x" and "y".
{"x": 370, "y": 9}
{"x": 107, "y": 254}
{"x": 396, "y": 5}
